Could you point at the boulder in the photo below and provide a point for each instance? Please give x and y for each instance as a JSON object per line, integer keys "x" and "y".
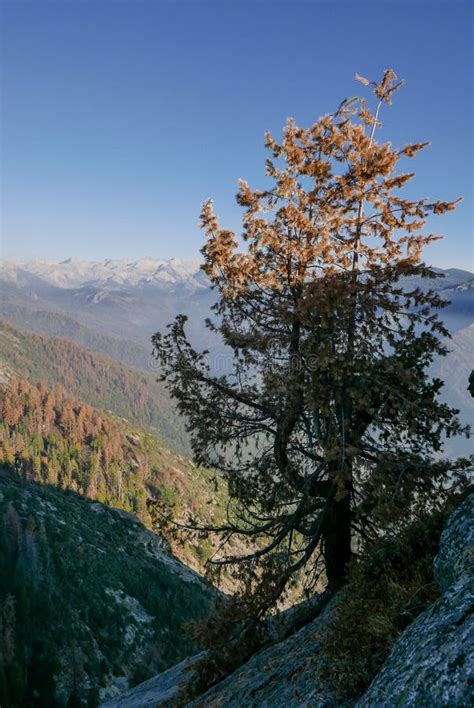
{"x": 432, "y": 662}
{"x": 161, "y": 690}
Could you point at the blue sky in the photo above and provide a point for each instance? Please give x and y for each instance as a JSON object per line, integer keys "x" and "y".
{"x": 121, "y": 118}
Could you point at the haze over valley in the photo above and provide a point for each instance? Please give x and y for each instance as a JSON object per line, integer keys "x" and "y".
{"x": 114, "y": 306}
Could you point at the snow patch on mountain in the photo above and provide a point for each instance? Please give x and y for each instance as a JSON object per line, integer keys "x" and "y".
{"x": 74, "y": 272}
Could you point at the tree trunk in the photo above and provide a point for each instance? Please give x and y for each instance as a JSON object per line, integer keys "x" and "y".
{"x": 336, "y": 535}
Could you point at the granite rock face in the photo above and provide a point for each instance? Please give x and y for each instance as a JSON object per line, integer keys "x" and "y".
{"x": 430, "y": 665}
{"x": 284, "y": 674}
{"x": 456, "y": 552}
{"x": 161, "y": 690}
{"x": 432, "y": 662}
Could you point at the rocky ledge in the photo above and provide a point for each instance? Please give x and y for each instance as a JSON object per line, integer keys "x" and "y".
{"x": 431, "y": 664}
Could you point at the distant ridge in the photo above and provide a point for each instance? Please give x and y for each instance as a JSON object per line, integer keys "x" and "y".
{"x": 74, "y": 272}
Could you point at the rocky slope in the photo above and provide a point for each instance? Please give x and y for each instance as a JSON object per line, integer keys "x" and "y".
{"x": 430, "y": 664}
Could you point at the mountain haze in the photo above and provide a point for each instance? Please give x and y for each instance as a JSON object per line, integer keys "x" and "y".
{"x": 114, "y": 306}
{"x": 97, "y": 303}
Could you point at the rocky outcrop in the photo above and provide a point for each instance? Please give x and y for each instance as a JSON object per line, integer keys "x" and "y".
{"x": 162, "y": 690}
{"x": 455, "y": 559}
{"x": 284, "y": 674}
{"x": 430, "y": 665}
{"x": 290, "y": 661}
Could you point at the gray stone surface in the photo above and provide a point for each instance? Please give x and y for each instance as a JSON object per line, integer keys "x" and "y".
{"x": 284, "y": 674}
{"x": 161, "y": 690}
{"x": 432, "y": 662}
{"x": 456, "y": 552}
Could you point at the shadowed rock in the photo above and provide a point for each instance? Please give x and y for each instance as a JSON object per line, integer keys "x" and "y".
{"x": 161, "y": 690}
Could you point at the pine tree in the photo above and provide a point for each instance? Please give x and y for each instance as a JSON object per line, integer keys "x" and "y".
{"x": 327, "y": 422}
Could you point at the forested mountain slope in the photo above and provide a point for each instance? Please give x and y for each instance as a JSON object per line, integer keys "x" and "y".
{"x": 58, "y": 324}
{"x": 50, "y": 437}
{"x": 90, "y": 603}
{"x": 95, "y": 378}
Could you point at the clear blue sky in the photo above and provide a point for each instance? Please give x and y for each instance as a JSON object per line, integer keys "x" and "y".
{"x": 120, "y": 118}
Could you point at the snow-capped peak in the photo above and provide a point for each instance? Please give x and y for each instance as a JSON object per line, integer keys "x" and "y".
{"x": 74, "y": 272}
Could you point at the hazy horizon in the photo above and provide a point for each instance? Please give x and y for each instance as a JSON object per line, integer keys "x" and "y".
{"x": 196, "y": 260}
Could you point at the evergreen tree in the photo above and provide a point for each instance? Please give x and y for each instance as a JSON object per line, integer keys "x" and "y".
{"x": 327, "y": 423}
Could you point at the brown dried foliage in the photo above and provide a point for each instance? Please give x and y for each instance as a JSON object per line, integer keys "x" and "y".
{"x": 327, "y": 421}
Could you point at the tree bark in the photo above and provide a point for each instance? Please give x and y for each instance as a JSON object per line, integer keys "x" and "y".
{"x": 336, "y": 537}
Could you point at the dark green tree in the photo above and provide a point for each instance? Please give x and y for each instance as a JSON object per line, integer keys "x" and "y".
{"x": 327, "y": 424}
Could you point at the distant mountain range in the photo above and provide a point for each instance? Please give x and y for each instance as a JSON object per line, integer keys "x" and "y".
{"x": 130, "y": 300}
{"x": 115, "y": 306}
{"x": 117, "y": 300}
{"x": 157, "y": 272}
{"x": 74, "y": 272}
